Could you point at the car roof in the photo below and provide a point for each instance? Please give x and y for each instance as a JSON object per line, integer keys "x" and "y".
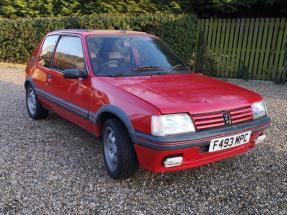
{"x": 100, "y": 32}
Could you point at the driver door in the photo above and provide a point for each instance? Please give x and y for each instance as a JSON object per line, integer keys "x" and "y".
{"x": 71, "y": 96}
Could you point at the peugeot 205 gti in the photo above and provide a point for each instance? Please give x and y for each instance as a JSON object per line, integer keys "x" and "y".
{"x": 147, "y": 106}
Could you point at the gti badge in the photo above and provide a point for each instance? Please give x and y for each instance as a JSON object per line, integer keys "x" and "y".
{"x": 227, "y": 118}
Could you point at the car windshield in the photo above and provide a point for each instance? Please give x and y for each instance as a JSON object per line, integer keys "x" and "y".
{"x": 132, "y": 56}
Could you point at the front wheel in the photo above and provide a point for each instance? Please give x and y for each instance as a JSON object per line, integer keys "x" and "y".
{"x": 34, "y": 107}
{"x": 119, "y": 155}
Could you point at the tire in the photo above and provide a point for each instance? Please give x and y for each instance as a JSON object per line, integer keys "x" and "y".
{"x": 35, "y": 109}
{"x": 119, "y": 155}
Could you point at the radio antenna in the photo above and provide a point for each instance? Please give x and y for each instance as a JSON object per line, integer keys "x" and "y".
{"x": 116, "y": 27}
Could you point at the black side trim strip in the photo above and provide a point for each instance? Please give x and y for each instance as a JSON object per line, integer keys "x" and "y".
{"x": 84, "y": 113}
{"x": 193, "y": 139}
{"x": 64, "y": 104}
{"x": 159, "y": 147}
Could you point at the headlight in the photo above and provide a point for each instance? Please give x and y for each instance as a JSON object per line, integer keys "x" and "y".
{"x": 171, "y": 124}
{"x": 259, "y": 109}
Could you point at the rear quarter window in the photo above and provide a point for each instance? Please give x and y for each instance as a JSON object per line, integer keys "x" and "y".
{"x": 48, "y": 50}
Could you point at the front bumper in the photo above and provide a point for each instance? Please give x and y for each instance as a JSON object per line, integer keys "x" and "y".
{"x": 152, "y": 150}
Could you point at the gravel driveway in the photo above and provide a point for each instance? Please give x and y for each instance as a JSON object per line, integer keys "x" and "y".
{"x": 55, "y": 167}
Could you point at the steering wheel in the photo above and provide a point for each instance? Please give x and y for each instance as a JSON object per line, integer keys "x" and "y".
{"x": 110, "y": 62}
{"x": 119, "y": 62}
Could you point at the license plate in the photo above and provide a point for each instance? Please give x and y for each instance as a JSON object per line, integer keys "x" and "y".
{"x": 229, "y": 141}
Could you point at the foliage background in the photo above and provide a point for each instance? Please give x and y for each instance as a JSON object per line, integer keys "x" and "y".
{"x": 18, "y": 37}
{"x": 203, "y": 8}
{"x": 24, "y": 22}
{"x": 172, "y": 20}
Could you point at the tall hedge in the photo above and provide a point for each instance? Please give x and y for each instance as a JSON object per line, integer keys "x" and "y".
{"x": 19, "y": 37}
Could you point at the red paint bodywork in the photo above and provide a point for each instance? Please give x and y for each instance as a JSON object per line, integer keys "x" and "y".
{"x": 140, "y": 98}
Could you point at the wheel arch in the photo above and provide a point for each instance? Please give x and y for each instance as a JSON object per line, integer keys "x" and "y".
{"x": 28, "y": 82}
{"x": 111, "y": 111}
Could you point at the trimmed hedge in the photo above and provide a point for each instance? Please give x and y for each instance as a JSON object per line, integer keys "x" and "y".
{"x": 19, "y": 37}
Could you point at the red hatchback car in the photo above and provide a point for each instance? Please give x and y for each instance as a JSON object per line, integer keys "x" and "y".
{"x": 129, "y": 89}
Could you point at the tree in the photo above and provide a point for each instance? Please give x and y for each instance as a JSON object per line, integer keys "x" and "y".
{"x": 236, "y": 8}
{"x": 203, "y": 8}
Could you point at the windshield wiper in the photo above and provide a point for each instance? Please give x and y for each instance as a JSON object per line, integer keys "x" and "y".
{"x": 144, "y": 73}
{"x": 177, "y": 66}
{"x": 147, "y": 68}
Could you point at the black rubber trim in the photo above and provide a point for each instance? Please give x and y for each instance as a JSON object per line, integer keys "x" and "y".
{"x": 190, "y": 140}
{"x": 64, "y": 104}
{"x": 159, "y": 147}
{"x": 86, "y": 114}
{"x": 29, "y": 81}
{"x": 95, "y": 117}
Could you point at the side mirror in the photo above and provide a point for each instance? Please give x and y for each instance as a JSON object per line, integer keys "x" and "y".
{"x": 74, "y": 74}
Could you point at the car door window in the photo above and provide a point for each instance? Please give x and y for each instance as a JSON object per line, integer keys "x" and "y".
{"x": 69, "y": 54}
{"x": 48, "y": 50}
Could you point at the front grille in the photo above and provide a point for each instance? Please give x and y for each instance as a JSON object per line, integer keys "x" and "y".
{"x": 215, "y": 119}
{"x": 241, "y": 115}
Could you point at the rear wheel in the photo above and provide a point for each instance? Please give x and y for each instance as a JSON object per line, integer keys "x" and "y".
{"x": 119, "y": 155}
{"x": 34, "y": 107}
